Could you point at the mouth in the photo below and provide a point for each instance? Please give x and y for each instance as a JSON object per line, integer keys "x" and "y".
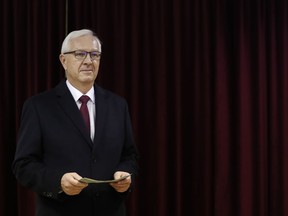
{"x": 87, "y": 71}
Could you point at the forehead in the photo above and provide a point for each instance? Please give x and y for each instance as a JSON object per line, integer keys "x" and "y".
{"x": 87, "y": 42}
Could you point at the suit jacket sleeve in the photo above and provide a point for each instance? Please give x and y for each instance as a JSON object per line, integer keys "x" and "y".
{"x": 129, "y": 156}
{"x": 28, "y": 166}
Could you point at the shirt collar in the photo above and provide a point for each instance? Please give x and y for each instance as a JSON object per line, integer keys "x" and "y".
{"x": 77, "y": 94}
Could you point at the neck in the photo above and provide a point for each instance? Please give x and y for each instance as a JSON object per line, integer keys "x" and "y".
{"x": 82, "y": 87}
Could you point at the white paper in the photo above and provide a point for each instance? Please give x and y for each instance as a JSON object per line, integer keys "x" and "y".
{"x": 89, "y": 180}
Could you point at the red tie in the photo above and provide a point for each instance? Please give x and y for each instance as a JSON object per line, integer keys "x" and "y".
{"x": 84, "y": 110}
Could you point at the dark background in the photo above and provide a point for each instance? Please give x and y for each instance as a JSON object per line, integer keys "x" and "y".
{"x": 206, "y": 83}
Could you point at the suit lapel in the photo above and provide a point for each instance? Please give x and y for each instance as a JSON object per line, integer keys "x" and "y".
{"x": 67, "y": 103}
{"x": 101, "y": 109}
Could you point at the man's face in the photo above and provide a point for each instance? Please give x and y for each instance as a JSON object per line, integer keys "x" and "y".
{"x": 81, "y": 72}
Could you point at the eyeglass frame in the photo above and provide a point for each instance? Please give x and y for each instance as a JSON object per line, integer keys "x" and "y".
{"x": 83, "y": 51}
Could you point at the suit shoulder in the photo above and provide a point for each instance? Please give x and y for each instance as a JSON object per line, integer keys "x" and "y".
{"x": 42, "y": 96}
{"x": 109, "y": 94}
{"x": 59, "y": 89}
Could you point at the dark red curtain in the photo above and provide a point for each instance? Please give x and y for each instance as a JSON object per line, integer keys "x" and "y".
{"x": 206, "y": 82}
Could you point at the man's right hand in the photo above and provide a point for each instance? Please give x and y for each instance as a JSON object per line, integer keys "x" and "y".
{"x": 71, "y": 185}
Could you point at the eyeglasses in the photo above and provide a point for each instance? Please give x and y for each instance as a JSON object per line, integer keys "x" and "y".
{"x": 80, "y": 54}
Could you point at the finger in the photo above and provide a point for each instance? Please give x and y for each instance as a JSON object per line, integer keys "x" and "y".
{"x": 75, "y": 181}
{"x": 75, "y": 176}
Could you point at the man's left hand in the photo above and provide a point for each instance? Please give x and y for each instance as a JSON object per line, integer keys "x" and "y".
{"x": 122, "y": 185}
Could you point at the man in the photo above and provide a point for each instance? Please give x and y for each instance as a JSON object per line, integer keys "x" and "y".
{"x": 57, "y": 146}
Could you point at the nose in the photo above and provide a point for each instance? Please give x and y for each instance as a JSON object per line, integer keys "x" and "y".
{"x": 87, "y": 59}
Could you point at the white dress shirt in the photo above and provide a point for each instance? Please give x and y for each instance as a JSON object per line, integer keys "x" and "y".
{"x": 90, "y": 104}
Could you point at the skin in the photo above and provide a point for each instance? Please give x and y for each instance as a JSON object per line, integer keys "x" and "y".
{"x": 82, "y": 75}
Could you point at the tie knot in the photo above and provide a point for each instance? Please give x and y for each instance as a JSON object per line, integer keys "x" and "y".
{"x": 84, "y": 99}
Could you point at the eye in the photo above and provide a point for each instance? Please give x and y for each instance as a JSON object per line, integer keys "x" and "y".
{"x": 95, "y": 55}
{"x": 80, "y": 54}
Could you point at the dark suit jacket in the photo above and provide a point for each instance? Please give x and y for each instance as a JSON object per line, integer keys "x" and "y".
{"x": 53, "y": 141}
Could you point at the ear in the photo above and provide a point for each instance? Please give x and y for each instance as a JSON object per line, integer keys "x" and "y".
{"x": 63, "y": 61}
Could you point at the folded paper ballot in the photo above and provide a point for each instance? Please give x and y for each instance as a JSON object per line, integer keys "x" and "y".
{"x": 89, "y": 180}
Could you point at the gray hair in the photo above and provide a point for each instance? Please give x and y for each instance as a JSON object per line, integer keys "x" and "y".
{"x": 75, "y": 34}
